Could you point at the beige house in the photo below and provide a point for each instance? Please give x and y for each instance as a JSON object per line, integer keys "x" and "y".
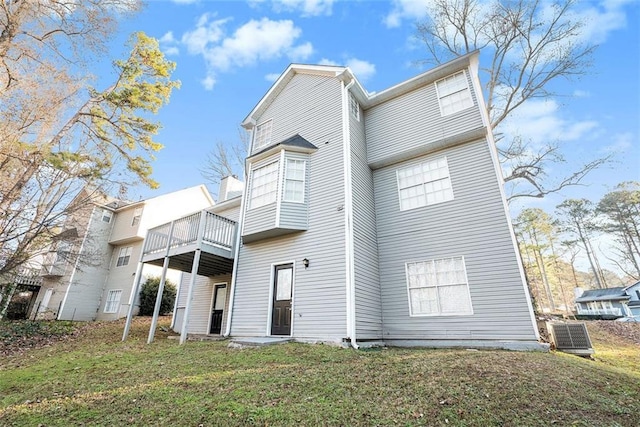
{"x": 106, "y": 238}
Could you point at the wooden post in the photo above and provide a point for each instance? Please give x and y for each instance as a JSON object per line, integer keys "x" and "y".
{"x": 192, "y": 281}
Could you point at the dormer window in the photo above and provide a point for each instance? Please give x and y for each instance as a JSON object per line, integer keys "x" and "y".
{"x": 454, "y": 94}
{"x": 262, "y": 135}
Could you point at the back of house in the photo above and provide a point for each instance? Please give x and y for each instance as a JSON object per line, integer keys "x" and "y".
{"x": 377, "y": 217}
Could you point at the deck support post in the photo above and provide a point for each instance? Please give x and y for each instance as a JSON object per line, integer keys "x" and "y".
{"x": 194, "y": 272}
{"x": 156, "y": 309}
{"x": 132, "y": 298}
{"x": 163, "y": 278}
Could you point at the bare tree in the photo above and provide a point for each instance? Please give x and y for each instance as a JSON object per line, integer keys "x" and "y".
{"x": 532, "y": 44}
{"x": 58, "y": 134}
{"x": 226, "y": 159}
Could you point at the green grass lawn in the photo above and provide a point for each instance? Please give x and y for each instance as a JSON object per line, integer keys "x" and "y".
{"x": 95, "y": 379}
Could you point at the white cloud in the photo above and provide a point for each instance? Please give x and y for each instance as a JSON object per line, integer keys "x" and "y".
{"x": 621, "y": 143}
{"x": 363, "y": 70}
{"x": 168, "y": 44}
{"x": 271, "y": 77}
{"x": 406, "y": 9}
{"x": 581, "y": 93}
{"x": 541, "y": 121}
{"x": 254, "y": 41}
{"x": 305, "y": 7}
{"x": 601, "y": 19}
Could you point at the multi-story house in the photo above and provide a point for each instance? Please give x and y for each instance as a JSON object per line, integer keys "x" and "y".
{"x": 366, "y": 218}
{"x": 90, "y": 271}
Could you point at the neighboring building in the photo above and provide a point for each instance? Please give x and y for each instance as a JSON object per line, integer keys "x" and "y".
{"x": 90, "y": 271}
{"x": 367, "y": 218}
{"x": 609, "y": 303}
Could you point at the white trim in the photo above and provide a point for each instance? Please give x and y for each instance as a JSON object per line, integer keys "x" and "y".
{"x": 211, "y": 307}
{"x": 236, "y": 260}
{"x": 493, "y": 150}
{"x": 348, "y": 217}
{"x": 271, "y": 286}
{"x": 279, "y": 187}
{"x": 75, "y": 266}
{"x": 439, "y": 314}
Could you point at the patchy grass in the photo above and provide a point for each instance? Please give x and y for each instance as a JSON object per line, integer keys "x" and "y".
{"x": 94, "y": 379}
{"x": 16, "y": 337}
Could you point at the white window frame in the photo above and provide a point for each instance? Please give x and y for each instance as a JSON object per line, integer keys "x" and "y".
{"x": 458, "y": 91}
{"x": 426, "y": 184}
{"x": 439, "y": 312}
{"x": 112, "y": 303}
{"x": 124, "y": 256}
{"x": 262, "y": 134}
{"x": 255, "y": 200}
{"x": 137, "y": 214}
{"x": 354, "y": 107}
{"x": 107, "y": 214}
{"x": 288, "y": 180}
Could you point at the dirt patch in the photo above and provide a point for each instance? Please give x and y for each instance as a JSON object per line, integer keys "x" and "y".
{"x": 629, "y": 331}
{"x": 18, "y": 337}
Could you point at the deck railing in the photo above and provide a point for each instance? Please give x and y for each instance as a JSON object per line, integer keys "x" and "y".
{"x": 217, "y": 231}
{"x": 600, "y": 311}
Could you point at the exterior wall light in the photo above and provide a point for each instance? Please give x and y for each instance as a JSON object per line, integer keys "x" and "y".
{"x": 305, "y": 262}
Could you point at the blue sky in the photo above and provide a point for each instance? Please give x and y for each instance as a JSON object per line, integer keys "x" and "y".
{"x": 228, "y": 53}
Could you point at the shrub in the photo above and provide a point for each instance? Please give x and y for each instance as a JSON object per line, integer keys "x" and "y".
{"x": 150, "y": 291}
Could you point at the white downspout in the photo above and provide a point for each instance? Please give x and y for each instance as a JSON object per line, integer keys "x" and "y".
{"x": 348, "y": 214}
{"x": 236, "y": 259}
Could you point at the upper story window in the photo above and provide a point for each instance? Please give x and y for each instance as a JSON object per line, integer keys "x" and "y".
{"x": 262, "y": 135}
{"x": 137, "y": 213}
{"x": 107, "y": 215}
{"x": 454, "y": 94}
{"x": 438, "y": 287}
{"x": 354, "y": 107}
{"x": 294, "y": 181}
{"x": 264, "y": 185}
{"x": 124, "y": 256}
{"x": 425, "y": 184}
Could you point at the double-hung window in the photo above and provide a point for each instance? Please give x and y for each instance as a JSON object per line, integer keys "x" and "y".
{"x": 113, "y": 301}
{"x": 354, "y": 107}
{"x": 137, "y": 213}
{"x": 106, "y": 215}
{"x": 294, "y": 181}
{"x": 264, "y": 185}
{"x": 262, "y": 135}
{"x": 424, "y": 184}
{"x": 453, "y": 93}
{"x": 438, "y": 287}
{"x": 124, "y": 256}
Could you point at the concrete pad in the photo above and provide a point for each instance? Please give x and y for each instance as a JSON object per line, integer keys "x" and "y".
{"x": 258, "y": 341}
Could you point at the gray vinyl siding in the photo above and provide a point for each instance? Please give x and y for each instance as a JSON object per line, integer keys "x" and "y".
{"x": 294, "y": 215}
{"x": 91, "y": 271}
{"x": 310, "y": 106}
{"x": 472, "y": 225}
{"x": 232, "y": 213}
{"x": 201, "y": 305}
{"x": 368, "y": 304}
{"x": 409, "y": 122}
